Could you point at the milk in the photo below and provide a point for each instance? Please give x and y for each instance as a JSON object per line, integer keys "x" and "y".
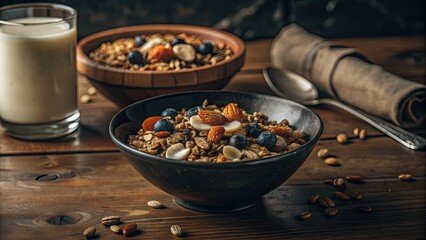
{"x": 37, "y": 71}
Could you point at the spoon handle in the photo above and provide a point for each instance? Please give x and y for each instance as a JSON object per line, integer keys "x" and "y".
{"x": 402, "y": 136}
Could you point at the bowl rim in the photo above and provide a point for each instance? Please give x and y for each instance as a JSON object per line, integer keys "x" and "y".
{"x": 85, "y": 59}
{"x": 142, "y": 155}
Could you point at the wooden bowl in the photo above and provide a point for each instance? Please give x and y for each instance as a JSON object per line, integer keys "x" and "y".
{"x": 127, "y": 86}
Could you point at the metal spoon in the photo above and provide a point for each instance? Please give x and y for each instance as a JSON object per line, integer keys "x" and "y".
{"x": 299, "y": 89}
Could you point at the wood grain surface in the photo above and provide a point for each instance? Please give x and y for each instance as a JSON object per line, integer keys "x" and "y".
{"x": 56, "y": 189}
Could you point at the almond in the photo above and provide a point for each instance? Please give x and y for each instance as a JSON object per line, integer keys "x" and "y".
{"x": 148, "y": 124}
{"x": 215, "y": 134}
{"x": 160, "y": 53}
{"x": 212, "y": 117}
{"x": 233, "y": 113}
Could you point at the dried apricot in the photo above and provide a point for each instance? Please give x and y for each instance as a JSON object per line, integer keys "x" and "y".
{"x": 148, "y": 124}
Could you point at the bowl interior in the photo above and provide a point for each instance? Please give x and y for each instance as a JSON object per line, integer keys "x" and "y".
{"x": 300, "y": 117}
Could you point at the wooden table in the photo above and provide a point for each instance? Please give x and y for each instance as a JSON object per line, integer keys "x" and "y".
{"x": 56, "y": 189}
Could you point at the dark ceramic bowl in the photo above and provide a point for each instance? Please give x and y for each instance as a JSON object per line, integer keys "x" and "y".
{"x": 216, "y": 187}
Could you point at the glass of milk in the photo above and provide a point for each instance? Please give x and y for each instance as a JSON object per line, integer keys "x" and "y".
{"x": 38, "y": 84}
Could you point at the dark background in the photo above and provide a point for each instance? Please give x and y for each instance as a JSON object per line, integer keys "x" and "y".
{"x": 256, "y": 19}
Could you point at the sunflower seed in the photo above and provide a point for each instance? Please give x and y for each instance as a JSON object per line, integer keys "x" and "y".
{"x": 330, "y": 211}
{"x": 355, "y": 195}
{"x": 326, "y": 202}
{"x": 341, "y": 195}
{"x": 338, "y": 182}
{"x": 362, "y": 134}
{"x": 405, "y": 177}
{"x": 364, "y": 208}
{"x": 328, "y": 181}
{"x": 353, "y": 178}
{"x": 322, "y": 153}
{"x": 115, "y": 228}
{"x": 331, "y": 161}
{"x": 89, "y": 232}
{"x": 155, "y": 204}
{"x": 341, "y": 138}
{"x": 305, "y": 215}
{"x": 356, "y": 132}
{"x": 176, "y": 230}
{"x": 314, "y": 198}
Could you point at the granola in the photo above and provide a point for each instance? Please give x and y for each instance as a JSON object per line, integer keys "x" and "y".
{"x": 160, "y": 52}
{"x": 200, "y": 134}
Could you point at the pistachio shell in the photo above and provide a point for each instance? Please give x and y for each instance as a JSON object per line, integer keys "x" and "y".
{"x": 177, "y": 151}
{"x": 198, "y": 123}
{"x": 152, "y": 43}
{"x": 231, "y": 152}
{"x": 184, "y": 52}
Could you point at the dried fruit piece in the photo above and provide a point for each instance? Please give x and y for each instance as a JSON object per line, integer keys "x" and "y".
{"x": 148, "y": 124}
{"x": 233, "y": 113}
{"x": 354, "y": 178}
{"x": 176, "y": 230}
{"x": 160, "y": 53}
{"x": 212, "y": 117}
{"x": 129, "y": 229}
{"x": 162, "y": 134}
{"x": 215, "y": 134}
{"x": 152, "y": 43}
{"x": 89, "y": 232}
{"x": 305, "y": 215}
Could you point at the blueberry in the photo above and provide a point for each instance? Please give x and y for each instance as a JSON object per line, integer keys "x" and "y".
{"x": 163, "y": 125}
{"x": 177, "y": 41}
{"x": 139, "y": 41}
{"x": 238, "y": 141}
{"x": 205, "y": 48}
{"x": 193, "y": 111}
{"x": 254, "y": 130}
{"x": 267, "y": 139}
{"x": 169, "y": 112}
{"x": 135, "y": 57}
